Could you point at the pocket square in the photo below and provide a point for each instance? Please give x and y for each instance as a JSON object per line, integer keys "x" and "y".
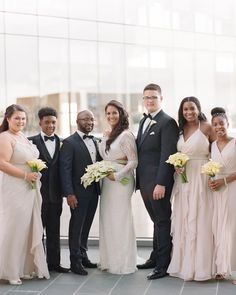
{"x": 152, "y": 133}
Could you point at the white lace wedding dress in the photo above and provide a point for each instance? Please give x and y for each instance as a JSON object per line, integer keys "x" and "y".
{"x": 117, "y": 244}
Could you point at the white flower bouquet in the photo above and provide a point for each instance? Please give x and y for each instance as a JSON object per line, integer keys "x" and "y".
{"x": 36, "y": 165}
{"x": 211, "y": 168}
{"x": 179, "y": 160}
{"x": 95, "y": 172}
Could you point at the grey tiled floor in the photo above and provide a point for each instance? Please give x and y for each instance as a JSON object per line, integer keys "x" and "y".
{"x": 102, "y": 283}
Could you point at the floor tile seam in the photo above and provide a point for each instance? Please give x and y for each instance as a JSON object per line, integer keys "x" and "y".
{"x": 182, "y": 288}
{"x": 82, "y": 284}
{"x": 51, "y": 283}
{"x": 217, "y": 288}
{"x": 117, "y": 282}
{"x": 148, "y": 286}
{"x": 20, "y": 291}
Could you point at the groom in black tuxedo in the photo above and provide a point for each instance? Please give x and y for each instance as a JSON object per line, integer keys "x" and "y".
{"x": 156, "y": 140}
{"x": 48, "y": 144}
{"x": 78, "y": 151}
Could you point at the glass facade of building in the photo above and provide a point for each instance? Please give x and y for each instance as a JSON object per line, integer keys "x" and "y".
{"x": 74, "y": 54}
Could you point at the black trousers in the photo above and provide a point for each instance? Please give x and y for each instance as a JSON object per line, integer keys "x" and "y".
{"x": 160, "y": 213}
{"x": 79, "y": 227}
{"x": 51, "y": 213}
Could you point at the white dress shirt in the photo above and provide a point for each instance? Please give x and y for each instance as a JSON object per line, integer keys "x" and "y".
{"x": 90, "y": 146}
{"x": 50, "y": 145}
{"x": 148, "y": 120}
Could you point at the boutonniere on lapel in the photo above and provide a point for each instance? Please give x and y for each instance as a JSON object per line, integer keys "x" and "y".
{"x": 97, "y": 139}
{"x": 61, "y": 144}
{"x": 153, "y": 122}
{"x": 152, "y": 133}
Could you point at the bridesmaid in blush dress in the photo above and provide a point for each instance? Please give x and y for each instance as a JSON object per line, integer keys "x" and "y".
{"x": 117, "y": 244}
{"x": 224, "y": 197}
{"x": 21, "y": 249}
{"x": 191, "y": 224}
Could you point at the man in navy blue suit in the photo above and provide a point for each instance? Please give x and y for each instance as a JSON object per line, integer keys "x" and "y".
{"x": 48, "y": 144}
{"x": 77, "y": 152}
{"x": 156, "y": 141}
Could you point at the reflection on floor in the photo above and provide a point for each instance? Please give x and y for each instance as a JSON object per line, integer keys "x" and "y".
{"x": 102, "y": 283}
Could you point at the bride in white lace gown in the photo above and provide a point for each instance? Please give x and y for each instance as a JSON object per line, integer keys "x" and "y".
{"x": 117, "y": 245}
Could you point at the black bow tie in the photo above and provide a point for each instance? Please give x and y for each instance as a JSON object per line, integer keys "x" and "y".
{"x": 147, "y": 116}
{"x": 87, "y": 136}
{"x": 52, "y": 138}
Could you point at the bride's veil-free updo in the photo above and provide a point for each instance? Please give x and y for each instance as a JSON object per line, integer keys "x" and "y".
{"x": 219, "y": 112}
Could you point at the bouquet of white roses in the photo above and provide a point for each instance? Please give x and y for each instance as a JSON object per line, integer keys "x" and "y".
{"x": 211, "y": 168}
{"x": 179, "y": 160}
{"x": 36, "y": 165}
{"x": 97, "y": 171}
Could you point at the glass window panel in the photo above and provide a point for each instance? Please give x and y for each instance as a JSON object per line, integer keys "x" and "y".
{"x": 53, "y": 56}
{"x": 111, "y": 10}
{"x": 184, "y": 39}
{"x": 111, "y": 68}
{"x": 85, "y": 30}
{"x": 205, "y": 79}
{"x": 225, "y": 63}
{"x": 3, "y": 100}
{"x": 23, "y": 6}
{"x": 183, "y": 21}
{"x": 21, "y": 24}
{"x": 110, "y": 32}
{"x": 22, "y": 67}
{"x": 204, "y": 6}
{"x": 136, "y": 13}
{"x": 204, "y": 42}
{"x": 2, "y": 5}
{"x": 159, "y": 13}
{"x": 137, "y": 68}
{"x": 53, "y": 7}
{"x": 1, "y": 22}
{"x": 53, "y": 27}
{"x": 159, "y": 37}
{"x": 136, "y": 35}
{"x": 223, "y": 43}
{"x": 83, "y": 66}
{"x": 83, "y": 9}
{"x": 182, "y": 5}
{"x": 203, "y": 22}
{"x": 183, "y": 75}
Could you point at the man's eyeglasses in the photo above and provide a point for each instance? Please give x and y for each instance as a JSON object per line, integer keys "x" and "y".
{"x": 150, "y": 97}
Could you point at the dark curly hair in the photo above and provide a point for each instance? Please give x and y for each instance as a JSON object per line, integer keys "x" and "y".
{"x": 10, "y": 110}
{"x": 46, "y": 111}
{"x": 122, "y": 125}
{"x": 219, "y": 112}
{"x": 182, "y": 121}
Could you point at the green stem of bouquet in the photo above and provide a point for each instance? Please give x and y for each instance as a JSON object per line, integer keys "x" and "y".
{"x": 184, "y": 177}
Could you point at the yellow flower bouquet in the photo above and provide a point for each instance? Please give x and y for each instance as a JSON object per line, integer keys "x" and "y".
{"x": 179, "y": 160}
{"x": 97, "y": 171}
{"x": 36, "y": 165}
{"x": 211, "y": 168}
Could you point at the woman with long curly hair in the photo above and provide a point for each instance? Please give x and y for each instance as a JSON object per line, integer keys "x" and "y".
{"x": 117, "y": 242}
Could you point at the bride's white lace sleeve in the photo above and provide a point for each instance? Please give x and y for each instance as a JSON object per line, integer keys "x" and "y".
{"x": 128, "y": 147}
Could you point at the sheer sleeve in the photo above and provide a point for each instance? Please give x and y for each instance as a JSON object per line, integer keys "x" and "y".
{"x": 128, "y": 147}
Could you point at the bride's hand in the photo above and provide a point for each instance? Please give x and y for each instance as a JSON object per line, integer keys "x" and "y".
{"x": 111, "y": 176}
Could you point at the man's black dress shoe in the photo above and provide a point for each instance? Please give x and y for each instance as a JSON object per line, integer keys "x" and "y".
{"x": 157, "y": 274}
{"x": 148, "y": 264}
{"x": 87, "y": 263}
{"x": 58, "y": 268}
{"x": 78, "y": 269}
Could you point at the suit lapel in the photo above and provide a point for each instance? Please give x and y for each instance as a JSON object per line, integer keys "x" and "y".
{"x": 84, "y": 149}
{"x": 42, "y": 148}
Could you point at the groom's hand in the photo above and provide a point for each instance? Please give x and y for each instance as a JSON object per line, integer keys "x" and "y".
{"x": 72, "y": 201}
{"x": 159, "y": 192}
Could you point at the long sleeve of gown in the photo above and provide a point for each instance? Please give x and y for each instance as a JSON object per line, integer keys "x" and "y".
{"x": 128, "y": 147}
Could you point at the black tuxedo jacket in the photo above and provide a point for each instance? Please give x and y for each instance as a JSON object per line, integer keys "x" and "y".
{"x": 74, "y": 158}
{"x": 51, "y": 188}
{"x": 154, "y": 148}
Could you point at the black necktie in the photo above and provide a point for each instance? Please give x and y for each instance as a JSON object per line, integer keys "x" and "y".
{"x": 87, "y": 136}
{"x": 52, "y": 138}
{"x": 147, "y": 116}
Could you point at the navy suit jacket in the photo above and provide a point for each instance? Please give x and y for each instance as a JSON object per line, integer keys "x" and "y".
{"x": 154, "y": 148}
{"x": 74, "y": 158}
{"x": 51, "y": 185}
